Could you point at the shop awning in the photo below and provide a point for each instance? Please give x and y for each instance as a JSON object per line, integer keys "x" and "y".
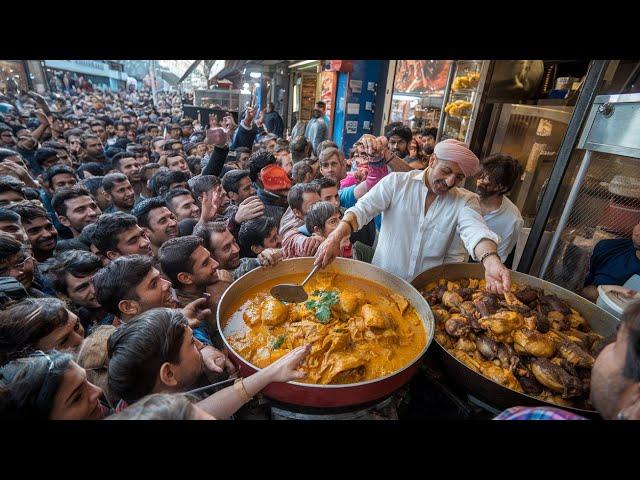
{"x": 170, "y": 78}
{"x": 230, "y": 67}
{"x": 189, "y": 70}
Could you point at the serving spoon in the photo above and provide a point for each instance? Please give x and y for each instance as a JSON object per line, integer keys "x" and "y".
{"x": 292, "y": 293}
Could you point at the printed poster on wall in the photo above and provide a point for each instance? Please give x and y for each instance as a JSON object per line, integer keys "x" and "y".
{"x": 328, "y": 84}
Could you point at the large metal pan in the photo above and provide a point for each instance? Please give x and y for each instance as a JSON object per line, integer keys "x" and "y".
{"x": 600, "y": 322}
{"x": 311, "y": 395}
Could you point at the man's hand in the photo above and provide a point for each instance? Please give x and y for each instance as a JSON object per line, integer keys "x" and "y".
{"x": 216, "y": 136}
{"x": 215, "y": 360}
{"x": 211, "y": 202}
{"x": 249, "y": 209}
{"x": 42, "y": 118}
{"x": 498, "y": 276}
{"x": 270, "y": 256}
{"x": 310, "y": 245}
{"x": 260, "y": 119}
{"x": 373, "y": 146}
{"x": 15, "y": 170}
{"x": 624, "y": 291}
{"x": 197, "y": 312}
{"x": 224, "y": 276}
{"x": 285, "y": 368}
{"x": 248, "y": 118}
{"x": 328, "y": 250}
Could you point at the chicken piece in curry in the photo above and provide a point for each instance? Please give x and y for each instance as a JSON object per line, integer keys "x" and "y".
{"x": 358, "y": 330}
{"x": 524, "y": 340}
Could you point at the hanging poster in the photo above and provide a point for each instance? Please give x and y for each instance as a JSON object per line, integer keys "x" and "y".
{"x": 355, "y": 85}
{"x": 353, "y": 108}
{"x": 421, "y": 76}
{"x": 352, "y": 126}
{"x": 328, "y": 83}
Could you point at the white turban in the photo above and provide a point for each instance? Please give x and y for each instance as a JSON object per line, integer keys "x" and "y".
{"x": 456, "y": 151}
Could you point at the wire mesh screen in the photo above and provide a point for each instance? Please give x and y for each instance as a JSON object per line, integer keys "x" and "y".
{"x": 607, "y": 206}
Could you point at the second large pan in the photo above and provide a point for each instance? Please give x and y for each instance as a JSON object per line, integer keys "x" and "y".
{"x": 600, "y": 322}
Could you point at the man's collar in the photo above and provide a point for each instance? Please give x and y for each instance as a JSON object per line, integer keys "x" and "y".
{"x": 421, "y": 175}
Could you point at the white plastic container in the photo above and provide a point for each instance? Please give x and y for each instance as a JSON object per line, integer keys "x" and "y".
{"x": 611, "y": 301}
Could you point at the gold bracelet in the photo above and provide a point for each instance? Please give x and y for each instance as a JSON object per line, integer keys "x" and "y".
{"x": 351, "y": 219}
{"x": 238, "y": 386}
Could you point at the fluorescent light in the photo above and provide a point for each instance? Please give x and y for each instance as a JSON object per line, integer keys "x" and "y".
{"x": 255, "y": 74}
{"x": 303, "y": 62}
{"x": 245, "y": 86}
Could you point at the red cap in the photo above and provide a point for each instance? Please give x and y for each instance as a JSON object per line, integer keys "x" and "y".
{"x": 274, "y": 177}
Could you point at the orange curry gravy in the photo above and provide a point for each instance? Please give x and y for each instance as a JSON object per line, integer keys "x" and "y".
{"x": 370, "y": 330}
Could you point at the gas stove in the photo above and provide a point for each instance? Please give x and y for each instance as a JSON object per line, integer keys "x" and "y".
{"x": 428, "y": 396}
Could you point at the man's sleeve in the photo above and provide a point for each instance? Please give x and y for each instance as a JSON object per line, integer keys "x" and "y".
{"x": 292, "y": 244}
{"x": 472, "y": 227}
{"x": 216, "y": 161}
{"x": 375, "y": 201}
{"x": 348, "y": 196}
{"x": 244, "y": 137}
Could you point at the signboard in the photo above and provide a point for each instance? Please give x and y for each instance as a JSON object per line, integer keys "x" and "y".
{"x": 421, "y": 76}
{"x": 328, "y": 84}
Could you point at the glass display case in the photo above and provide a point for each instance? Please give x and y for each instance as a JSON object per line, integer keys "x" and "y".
{"x": 532, "y": 135}
{"x": 462, "y": 99}
{"x": 418, "y": 94}
{"x": 218, "y": 98}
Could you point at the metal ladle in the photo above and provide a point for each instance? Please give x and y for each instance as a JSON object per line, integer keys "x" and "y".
{"x": 291, "y": 293}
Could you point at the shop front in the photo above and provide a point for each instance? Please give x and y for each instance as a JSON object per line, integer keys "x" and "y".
{"x": 593, "y": 191}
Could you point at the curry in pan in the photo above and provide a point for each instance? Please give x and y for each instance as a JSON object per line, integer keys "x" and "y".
{"x": 524, "y": 340}
{"x": 358, "y": 330}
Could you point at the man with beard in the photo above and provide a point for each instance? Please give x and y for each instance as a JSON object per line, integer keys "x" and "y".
{"x": 421, "y": 213}
{"x": 398, "y": 136}
{"x": 194, "y": 274}
{"x": 119, "y": 191}
{"x": 93, "y": 149}
{"x": 72, "y": 276}
{"x": 182, "y": 204}
{"x": 317, "y": 130}
{"x": 616, "y": 371}
{"x": 129, "y": 165}
{"x": 429, "y": 140}
{"x": 94, "y": 185}
{"x": 98, "y": 129}
{"x": 497, "y": 177}
{"x": 226, "y": 251}
{"x": 157, "y": 221}
{"x": 75, "y": 208}
{"x": 37, "y": 224}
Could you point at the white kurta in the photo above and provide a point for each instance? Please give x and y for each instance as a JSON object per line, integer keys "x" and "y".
{"x": 505, "y": 221}
{"x": 410, "y": 241}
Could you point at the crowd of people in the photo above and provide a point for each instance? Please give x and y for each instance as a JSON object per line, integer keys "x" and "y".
{"x": 122, "y": 223}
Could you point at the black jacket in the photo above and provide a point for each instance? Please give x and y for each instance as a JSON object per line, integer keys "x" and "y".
{"x": 273, "y": 123}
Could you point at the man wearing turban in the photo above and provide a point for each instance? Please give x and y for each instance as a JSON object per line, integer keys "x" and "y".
{"x": 421, "y": 214}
